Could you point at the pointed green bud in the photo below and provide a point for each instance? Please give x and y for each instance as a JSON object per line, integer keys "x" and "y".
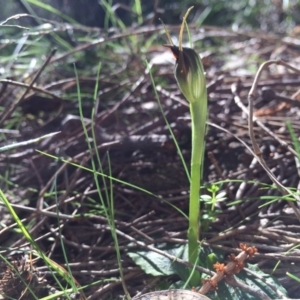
{"x": 189, "y": 73}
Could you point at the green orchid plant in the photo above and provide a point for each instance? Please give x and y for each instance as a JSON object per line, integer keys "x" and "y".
{"x": 190, "y": 77}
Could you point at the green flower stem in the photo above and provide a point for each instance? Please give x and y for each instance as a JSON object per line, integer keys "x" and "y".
{"x": 198, "y": 118}
{"x": 190, "y": 77}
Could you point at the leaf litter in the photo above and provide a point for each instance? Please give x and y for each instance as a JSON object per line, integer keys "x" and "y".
{"x": 142, "y": 153}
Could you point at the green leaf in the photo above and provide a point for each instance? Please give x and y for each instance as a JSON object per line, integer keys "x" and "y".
{"x": 250, "y": 280}
{"x": 226, "y": 292}
{"x": 158, "y": 265}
